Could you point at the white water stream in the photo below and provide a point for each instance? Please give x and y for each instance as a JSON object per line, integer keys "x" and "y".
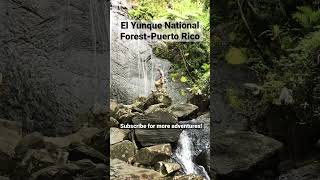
{"x": 184, "y": 155}
{"x": 145, "y": 71}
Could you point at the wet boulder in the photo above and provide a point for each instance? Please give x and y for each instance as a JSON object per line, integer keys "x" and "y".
{"x": 124, "y": 150}
{"x": 166, "y": 168}
{"x": 184, "y": 111}
{"x": 151, "y": 155}
{"x": 121, "y": 170}
{"x": 239, "y": 152}
{"x": 153, "y": 136}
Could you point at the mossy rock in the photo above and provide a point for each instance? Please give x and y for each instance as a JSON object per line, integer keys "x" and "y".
{"x": 236, "y": 56}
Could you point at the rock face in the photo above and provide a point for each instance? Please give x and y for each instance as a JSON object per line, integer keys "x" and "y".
{"x": 184, "y": 111}
{"x": 123, "y": 150}
{"x": 130, "y": 77}
{"x": 228, "y": 77}
{"x": 122, "y": 170}
{"x": 66, "y": 49}
{"x": 236, "y": 152}
{"x": 153, "y": 154}
{"x": 149, "y": 137}
{"x": 309, "y": 172}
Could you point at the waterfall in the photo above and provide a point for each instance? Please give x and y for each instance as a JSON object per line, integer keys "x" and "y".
{"x": 184, "y": 153}
{"x": 145, "y": 70}
{"x": 184, "y": 156}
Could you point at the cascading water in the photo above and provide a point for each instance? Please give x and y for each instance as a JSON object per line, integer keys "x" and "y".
{"x": 184, "y": 153}
{"x": 184, "y": 156}
{"x": 145, "y": 71}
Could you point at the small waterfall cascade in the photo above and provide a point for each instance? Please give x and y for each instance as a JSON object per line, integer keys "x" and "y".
{"x": 146, "y": 68}
{"x": 184, "y": 156}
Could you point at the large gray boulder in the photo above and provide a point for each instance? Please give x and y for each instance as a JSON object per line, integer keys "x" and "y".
{"x": 124, "y": 150}
{"x": 117, "y": 135}
{"x": 121, "y": 170}
{"x": 151, "y": 155}
{"x": 184, "y": 111}
{"x": 237, "y": 152}
{"x": 153, "y": 136}
{"x": 133, "y": 65}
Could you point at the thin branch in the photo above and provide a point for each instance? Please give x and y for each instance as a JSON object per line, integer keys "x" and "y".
{"x": 248, "y": 28}
{"x": 186, "y": 65}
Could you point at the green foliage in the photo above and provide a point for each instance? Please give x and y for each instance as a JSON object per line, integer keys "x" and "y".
{"x": 190, "y": 60}
{"x": 281, "y": 45}
{"x": 307, "y": 17}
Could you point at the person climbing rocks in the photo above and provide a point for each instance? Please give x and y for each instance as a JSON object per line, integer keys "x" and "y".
{"x": 160, "y": 83}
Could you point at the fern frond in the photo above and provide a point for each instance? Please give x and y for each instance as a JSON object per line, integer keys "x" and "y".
{"x": 307, "y": 17}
